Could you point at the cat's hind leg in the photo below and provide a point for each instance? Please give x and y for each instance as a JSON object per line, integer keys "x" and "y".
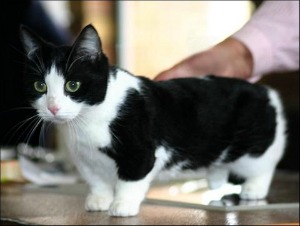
{"x": 257, "y": 187}
{"x": 258, "y": 174}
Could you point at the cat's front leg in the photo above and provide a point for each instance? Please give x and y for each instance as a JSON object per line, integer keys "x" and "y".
{"x": 100, "y": 197}
{"x": 128, "y": 197}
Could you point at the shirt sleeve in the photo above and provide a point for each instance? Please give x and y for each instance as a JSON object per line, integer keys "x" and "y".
{"x": 272, "y": 36}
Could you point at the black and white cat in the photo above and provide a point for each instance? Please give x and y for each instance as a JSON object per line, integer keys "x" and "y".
{"x": 122, "y": 129}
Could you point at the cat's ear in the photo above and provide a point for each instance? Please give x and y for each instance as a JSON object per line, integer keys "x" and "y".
{"x": 88, "y": 42}
{"x": 31, "y": 42}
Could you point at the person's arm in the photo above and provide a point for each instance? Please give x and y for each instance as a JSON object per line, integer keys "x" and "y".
{"x": 272, "y": 37}
{"x": 268, "y": 42}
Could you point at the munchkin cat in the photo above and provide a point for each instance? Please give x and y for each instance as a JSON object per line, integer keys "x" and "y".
{"x": 122, "y": 130}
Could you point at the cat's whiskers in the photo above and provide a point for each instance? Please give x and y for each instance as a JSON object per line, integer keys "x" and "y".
{"x": 35, "y": 73}
{"x": 115, "y": 137}
{"x": 73, "y": 131}
{"x": 40, "y": 66}
{"x": 16, "y": 128}
{"x": 28, "y": 125}
{"x": 72, "y": 134}
{"x": 18, "y": 108}
{"x": 24, "y": 55}
{"x": 33, "y": 129}
{"x": 44, "y": 131}
{"x": 74, "y": 127}
{"x": 80, "y": 121}
{"x": 37, "y": 69}
{"x": 41, "y": 60}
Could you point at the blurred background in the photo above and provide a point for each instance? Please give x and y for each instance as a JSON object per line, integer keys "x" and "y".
{"x": 143, "y": 37}
{"x": 146, "y": 37}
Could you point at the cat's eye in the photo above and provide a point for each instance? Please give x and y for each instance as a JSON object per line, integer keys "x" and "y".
{"x": 72, "y": 86}
{"x": 40, "y": 87}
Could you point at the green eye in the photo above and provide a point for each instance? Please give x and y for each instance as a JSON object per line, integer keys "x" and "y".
{"x": 72, "y": 86}
{"x": 41, "y": 87}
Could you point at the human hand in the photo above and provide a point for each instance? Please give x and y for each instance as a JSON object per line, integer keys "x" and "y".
{"x": 229, "y": 58}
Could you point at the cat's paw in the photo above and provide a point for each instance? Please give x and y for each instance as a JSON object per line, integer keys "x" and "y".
{"x": 97, "y": 203}
{"x": 124, "y": 208}
{"x": 253, "y": 192}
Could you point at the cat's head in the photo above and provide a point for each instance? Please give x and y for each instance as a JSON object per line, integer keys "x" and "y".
{"x": 63, "y": 81}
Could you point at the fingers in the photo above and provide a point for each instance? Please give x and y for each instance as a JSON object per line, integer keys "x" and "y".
{"x": 165, "y": 75}
{"x": 181, "y": 70}
{"x": 170, "y": 74}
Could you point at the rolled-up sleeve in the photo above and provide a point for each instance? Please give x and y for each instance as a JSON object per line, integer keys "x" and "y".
{"x": 272, "y": 36}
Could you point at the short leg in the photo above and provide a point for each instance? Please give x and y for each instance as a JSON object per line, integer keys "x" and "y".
{"x": 128, "y": 197}
{"x": 257, "y": 187}
{"x": 217, "y": 176}
{"x": 100, "y": 198}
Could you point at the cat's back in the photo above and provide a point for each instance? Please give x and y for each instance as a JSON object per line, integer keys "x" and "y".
{"x": 210, "y": 86}
{"x": 209, "y": 92}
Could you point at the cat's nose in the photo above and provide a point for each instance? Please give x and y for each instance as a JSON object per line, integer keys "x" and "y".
{"x": 54, "y": 109}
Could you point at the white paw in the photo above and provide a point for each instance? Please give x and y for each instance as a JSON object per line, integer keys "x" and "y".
{"x": 124, "y": 208}
{"x": 253, "y": 192}
{"x": 97, "y": 203}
